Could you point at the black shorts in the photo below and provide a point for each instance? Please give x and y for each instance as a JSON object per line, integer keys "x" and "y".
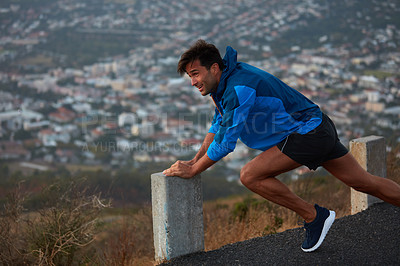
{"x": 316, "y": 147}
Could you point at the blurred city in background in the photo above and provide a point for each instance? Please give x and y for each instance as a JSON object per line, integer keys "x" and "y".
{"x": 94, "y": 82}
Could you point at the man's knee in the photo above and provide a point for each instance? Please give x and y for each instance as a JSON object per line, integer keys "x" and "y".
{"x": 247, "y": 176}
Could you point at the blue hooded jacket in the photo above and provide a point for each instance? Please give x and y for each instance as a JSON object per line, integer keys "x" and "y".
{"x": 256, "y": 107}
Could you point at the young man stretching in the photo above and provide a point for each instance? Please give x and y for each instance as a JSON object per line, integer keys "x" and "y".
{"x": 267, "y": 114}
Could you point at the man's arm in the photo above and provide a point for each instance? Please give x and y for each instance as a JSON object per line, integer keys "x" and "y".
{"x": 203, "y": 149}
{"x": 185, "y": 170}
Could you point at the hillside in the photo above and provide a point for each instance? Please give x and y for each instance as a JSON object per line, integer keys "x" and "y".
{"x": 123, "y": 235}
{"x": 367, "y": 238}
{"x": 74, "y": 34}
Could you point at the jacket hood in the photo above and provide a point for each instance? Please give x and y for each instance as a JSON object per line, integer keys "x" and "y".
{"x": 230, "y": 61}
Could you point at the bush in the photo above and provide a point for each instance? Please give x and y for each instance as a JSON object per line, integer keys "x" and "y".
{"x": 12, "y": 248}
{"x": 56, "y": 234}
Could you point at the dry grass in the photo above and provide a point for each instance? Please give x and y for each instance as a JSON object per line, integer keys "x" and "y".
{"x": 242, "y": 218}
{"x": 128, "y": 240}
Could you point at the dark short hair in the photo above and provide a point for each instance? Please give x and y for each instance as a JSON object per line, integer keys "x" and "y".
{"x": 207, "y": 54}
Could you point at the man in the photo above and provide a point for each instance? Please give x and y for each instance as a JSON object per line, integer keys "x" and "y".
{"x": 266, "y": 114}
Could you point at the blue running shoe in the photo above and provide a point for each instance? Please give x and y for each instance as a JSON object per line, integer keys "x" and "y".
{"x": 317, "y": 229}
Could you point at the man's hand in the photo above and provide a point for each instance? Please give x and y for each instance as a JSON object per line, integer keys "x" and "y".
{"x": 191, "y": 162}
{"x": 188, "y": 169}
{"x": 182, "y": 169}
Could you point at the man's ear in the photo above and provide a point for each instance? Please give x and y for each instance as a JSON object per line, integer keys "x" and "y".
{"x": 215, "y": 68}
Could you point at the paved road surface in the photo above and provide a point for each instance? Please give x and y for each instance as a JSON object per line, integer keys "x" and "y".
{"x": 371, "y": 237}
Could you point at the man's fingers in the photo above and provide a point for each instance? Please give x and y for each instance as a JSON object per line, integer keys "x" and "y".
{"x": 167, "y": 171}
{"x": 177, "y": 163}
{"x": 179, "y": 168}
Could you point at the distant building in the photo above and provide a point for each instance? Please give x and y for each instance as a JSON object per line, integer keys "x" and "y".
{"x": 127, "y": 119}
{"x": 372, "y": 95}
{"x": 395, "y": 110}
{"x": 50, "y": 137}
{"x": 376, "y": 107}
{"x": 118, "y": 85}
{"x": 14, "y": 120}
{"x": 62, "y": 115}
{"x": 368, "y": 82}
{"x": 146, "y": 129}
{"x": 12, "y": 150}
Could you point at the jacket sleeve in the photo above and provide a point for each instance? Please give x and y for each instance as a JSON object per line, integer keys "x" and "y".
{"x": 215, "y": 122}
{"x": 239, "y": 104}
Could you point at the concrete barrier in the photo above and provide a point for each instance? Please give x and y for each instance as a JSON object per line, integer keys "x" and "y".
{"x": 177, "y": 207}
{"x": 370, "y": 152}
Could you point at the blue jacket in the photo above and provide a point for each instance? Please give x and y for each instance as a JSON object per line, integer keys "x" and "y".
{"x": 257, "y": 108}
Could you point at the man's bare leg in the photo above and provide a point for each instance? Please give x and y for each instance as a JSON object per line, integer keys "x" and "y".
{"x": 259, "y": 176}
{"x": 348, "y": 170}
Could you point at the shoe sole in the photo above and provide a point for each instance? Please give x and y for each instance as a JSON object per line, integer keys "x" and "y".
{"x": 327, "y": 225}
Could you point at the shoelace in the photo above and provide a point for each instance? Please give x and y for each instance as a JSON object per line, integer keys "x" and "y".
{"x": 301, "y": 222}
{"x": 308, "y": 232}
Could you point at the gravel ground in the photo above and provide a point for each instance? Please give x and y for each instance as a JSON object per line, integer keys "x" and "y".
{"x": 371, "y": 237}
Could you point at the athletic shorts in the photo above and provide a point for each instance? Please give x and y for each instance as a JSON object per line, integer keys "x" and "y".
{"x": 316, "y": 147}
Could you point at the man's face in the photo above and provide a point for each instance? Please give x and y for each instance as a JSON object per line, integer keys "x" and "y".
{"x": 205, "y": 80}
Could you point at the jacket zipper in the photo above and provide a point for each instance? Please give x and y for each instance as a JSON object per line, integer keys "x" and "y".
{"x": 216, "y": 105}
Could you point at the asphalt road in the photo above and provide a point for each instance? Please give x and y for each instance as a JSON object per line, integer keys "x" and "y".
{"x": 371, "y": 237}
